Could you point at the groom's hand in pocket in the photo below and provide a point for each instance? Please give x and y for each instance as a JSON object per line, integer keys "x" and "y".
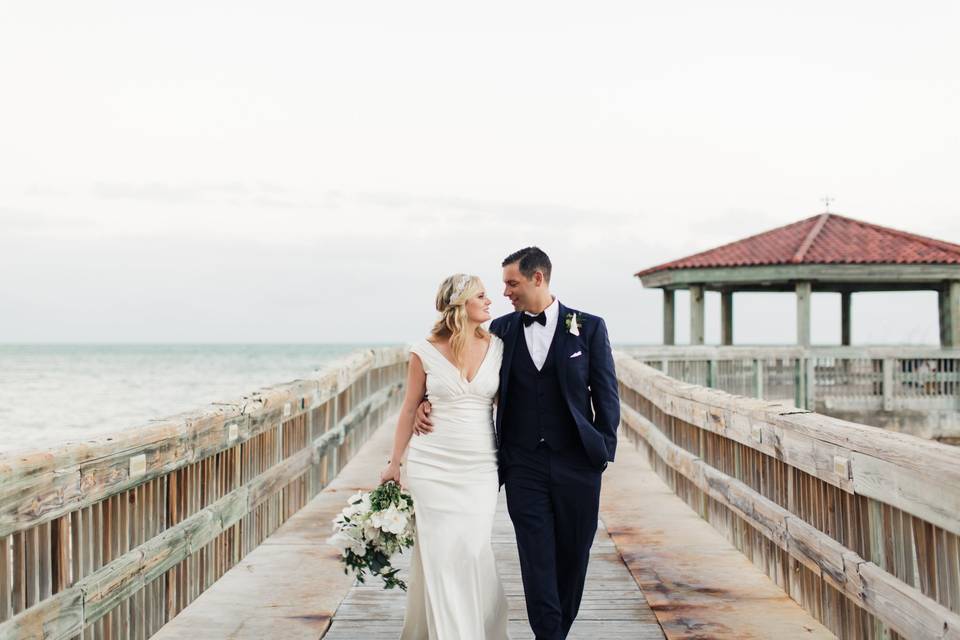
{"x": 422, "y": 424}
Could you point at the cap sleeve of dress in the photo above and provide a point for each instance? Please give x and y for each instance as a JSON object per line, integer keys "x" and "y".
{"x": 422, "y": 349}
{"x": 498, "y": 342}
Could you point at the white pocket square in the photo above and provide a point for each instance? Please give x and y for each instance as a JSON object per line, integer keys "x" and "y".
{"x": 578, "y": 353}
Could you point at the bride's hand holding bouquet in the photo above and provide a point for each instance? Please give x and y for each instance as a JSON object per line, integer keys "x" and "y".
{"x": 390, "y": 473}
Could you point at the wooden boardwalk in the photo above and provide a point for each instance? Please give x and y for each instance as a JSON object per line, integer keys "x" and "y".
{"x": 691, "y": 580}
{"x": 613, "y": 606}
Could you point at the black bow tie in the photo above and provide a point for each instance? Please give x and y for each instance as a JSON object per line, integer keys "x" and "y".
{"x": 529, "y": 319}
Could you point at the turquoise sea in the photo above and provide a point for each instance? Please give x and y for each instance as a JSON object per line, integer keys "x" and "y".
{"x": 54, "y": 393}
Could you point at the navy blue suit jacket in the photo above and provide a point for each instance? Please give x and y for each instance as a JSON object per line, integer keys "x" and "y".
{"x": 588, "y": 381}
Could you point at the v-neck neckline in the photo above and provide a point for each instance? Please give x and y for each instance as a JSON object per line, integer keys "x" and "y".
{"x": 477, "y": 372}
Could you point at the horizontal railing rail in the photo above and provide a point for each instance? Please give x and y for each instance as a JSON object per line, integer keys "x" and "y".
{"x": 859, "y": 525}
{"x": 112, "y": 537}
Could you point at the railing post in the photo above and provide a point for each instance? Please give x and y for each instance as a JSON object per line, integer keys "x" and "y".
{"x": 949, "y": 296}
{"x": 888, "y": 364}
{"x": 713, "y": 374}
{"x": 696, "y": 314}
{"x": 726, "y": 317}
{"x": 669, "y": 317}
{"x": 800, "y": 382}
{"x": 804, "y": 290}
{"x": 758, "y": 378}
{"x": 811, "y": 376}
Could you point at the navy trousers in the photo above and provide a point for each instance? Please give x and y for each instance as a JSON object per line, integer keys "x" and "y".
{"x": 553, "y": 498}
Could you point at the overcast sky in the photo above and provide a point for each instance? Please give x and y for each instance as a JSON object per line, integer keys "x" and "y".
{"x": 305, "y": 171}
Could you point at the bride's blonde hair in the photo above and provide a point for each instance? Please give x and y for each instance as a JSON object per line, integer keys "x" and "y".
{"x": 451, "y": 300}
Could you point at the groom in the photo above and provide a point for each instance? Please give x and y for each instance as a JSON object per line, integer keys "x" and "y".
{"x": 556, "y": 430}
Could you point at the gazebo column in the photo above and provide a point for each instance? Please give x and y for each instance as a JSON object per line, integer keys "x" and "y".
{"x": 804, "y": 290}
{"x": 846, "y": 298}
{"x": 726, "y": 317}
{"x": 950, "y": 314}
{"x": 669, "y": 317}
{"x": 696, "y": 314}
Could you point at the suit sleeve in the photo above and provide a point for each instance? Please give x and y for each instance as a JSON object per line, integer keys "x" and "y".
{"x": 496, "y": 328}
{"x": 603, "y": 388}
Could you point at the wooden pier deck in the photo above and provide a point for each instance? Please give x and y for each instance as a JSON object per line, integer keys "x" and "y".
{"x": 291, "y": 586}
{"x": 613, "y": 607}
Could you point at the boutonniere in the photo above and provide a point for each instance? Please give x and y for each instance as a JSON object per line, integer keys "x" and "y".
{"x": 571, "y": 323}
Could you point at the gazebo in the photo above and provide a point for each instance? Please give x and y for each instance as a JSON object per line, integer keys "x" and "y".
{"x": 827, "y": 252}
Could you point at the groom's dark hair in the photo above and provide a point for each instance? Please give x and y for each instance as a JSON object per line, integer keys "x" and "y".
{"x": 531, "y": 259}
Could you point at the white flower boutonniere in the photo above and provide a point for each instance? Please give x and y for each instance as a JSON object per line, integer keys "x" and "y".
{"x": 572, "y": 325}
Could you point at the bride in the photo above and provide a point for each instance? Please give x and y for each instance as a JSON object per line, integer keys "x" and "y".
{"x": 454, "y": 590}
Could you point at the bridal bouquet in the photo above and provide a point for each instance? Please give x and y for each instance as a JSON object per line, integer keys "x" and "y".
{"x": 372, "y": 528}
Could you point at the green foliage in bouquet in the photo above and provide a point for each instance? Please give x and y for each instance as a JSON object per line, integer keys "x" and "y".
{"x": 371, "y": 529}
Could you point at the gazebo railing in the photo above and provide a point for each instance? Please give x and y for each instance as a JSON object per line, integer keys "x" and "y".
{"x": 897, "y": 378}
{"x": 859, "y": 525}
{"x": 112, "y": 537}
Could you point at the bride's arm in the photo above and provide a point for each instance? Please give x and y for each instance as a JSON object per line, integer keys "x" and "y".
{"x": 416, "y": 387}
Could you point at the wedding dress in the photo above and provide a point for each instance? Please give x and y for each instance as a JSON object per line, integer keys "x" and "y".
{"x": 454, "y": 592}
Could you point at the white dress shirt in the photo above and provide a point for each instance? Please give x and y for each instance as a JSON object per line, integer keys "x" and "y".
{"x": 539, "y": 336}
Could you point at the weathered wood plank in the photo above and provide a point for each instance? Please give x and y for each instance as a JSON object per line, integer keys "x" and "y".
{"x": 6, "y": 606}
{"x": 60, "y": 616}
{"x": 924, "y": 495}
{"x": 905, "y": 609}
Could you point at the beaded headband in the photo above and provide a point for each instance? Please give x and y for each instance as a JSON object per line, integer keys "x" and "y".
{"x": 459, "y": 287}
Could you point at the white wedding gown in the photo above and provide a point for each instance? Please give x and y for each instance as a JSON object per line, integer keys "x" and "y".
{"x": 454, "y": 592}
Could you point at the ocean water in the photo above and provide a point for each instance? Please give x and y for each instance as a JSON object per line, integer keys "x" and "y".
{"x": 51, "y": 394}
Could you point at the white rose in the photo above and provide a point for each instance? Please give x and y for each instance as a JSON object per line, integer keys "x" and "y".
{"x": 394, "y": 521}
{"x": 371, "y": 532}
{"x": 359, "y": 548}
{"x": 341, "y": 541}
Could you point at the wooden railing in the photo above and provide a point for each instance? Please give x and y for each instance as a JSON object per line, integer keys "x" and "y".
{"x": 113, "y": 537}
{"x": 859, "y": 525}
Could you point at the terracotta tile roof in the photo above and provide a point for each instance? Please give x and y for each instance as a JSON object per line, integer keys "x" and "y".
{"x": 824, "y": 239}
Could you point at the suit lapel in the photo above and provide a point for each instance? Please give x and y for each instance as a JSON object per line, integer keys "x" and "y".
{"x": 560, "y": 347}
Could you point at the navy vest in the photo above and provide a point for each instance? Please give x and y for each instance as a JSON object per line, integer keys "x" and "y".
{"x": 537, "y": 412}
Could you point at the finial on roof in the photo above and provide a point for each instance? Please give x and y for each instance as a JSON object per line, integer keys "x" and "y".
{"x": 826, "y": 203}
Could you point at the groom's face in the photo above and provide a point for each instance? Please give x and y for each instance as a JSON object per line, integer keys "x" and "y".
{"x": 521, "y": 290}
